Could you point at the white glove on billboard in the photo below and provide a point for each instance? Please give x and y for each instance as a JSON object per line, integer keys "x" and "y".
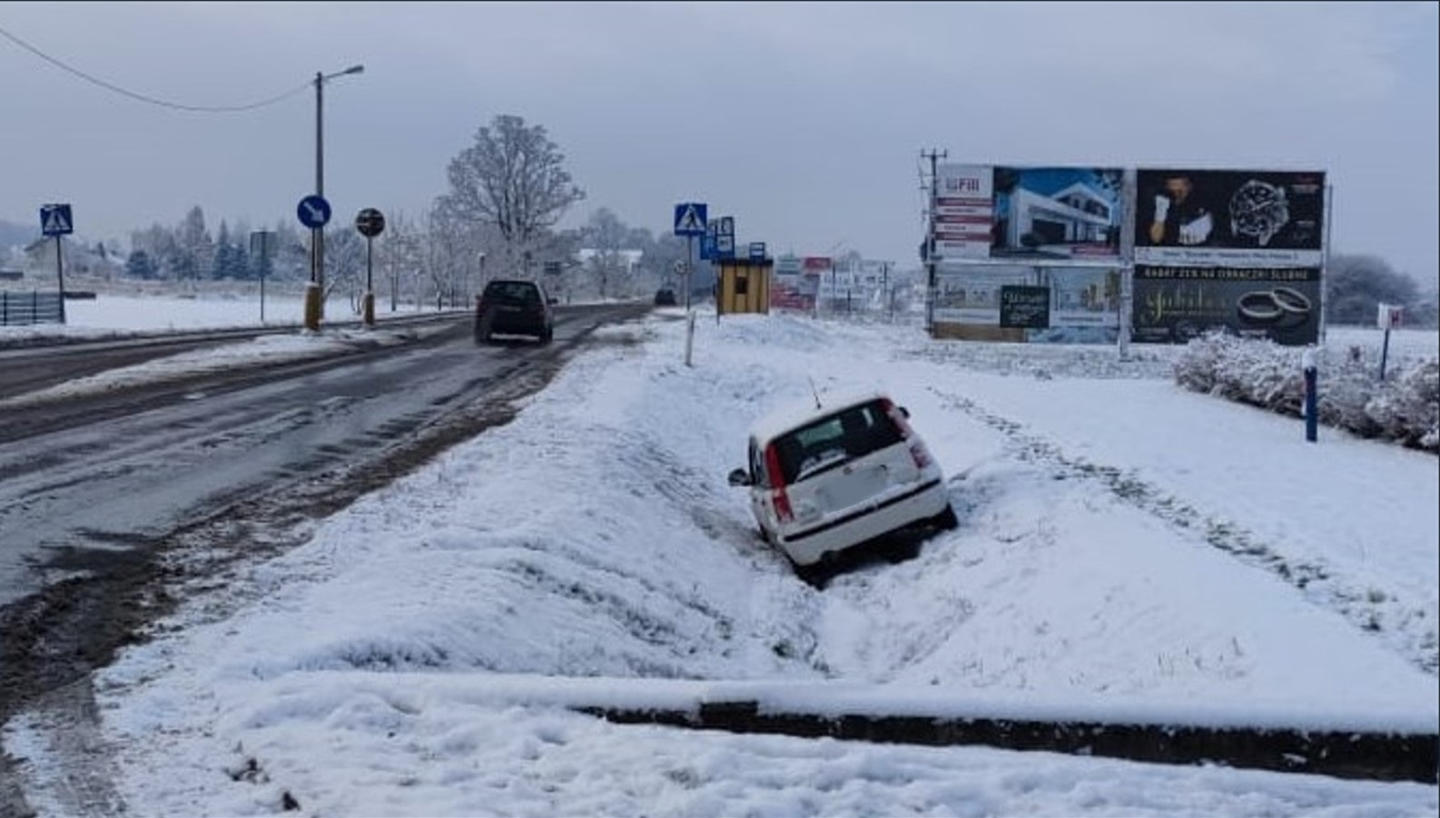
{"x": 1162, "y": 208}
{"x": 1198, "y": 231}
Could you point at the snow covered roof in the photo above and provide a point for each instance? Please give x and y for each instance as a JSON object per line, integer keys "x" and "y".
{"x": 791, "y": 415}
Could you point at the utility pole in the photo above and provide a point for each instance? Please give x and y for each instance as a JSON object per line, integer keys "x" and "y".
{"x": 315, "y": 293}
{"x": 317, "y": 235}
{"x": 930, "y": 286}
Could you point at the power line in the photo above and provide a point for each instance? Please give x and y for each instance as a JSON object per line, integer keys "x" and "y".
{"x": 213, "y": 109}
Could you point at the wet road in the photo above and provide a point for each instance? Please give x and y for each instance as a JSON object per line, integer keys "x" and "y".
{"x": 109, "y": 481}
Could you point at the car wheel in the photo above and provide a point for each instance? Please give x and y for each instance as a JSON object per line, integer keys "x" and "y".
{"x": 946, "y": 520}
{"x": 547, "y": 336}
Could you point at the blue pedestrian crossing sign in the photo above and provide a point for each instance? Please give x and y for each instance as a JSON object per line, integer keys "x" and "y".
{"x": 757, "y": 251}
{"x": 314, "y": 211}
{"x": 690, "y": 219}
{"x": 55, "y": 220}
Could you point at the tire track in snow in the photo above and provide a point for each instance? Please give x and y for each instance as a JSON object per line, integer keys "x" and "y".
{"x": 1405, "y": 628}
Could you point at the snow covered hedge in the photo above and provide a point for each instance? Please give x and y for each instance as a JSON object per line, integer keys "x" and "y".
{"x": 1404, "y": 408}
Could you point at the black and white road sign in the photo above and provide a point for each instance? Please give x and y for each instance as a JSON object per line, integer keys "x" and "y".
{"x": 370, "y": 222}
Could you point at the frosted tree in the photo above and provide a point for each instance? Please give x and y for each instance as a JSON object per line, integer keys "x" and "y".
{"x": 606, "y": 237}
{"x": 512, "y": 178}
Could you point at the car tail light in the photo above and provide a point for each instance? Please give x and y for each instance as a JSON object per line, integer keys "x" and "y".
{"x": 921, "y": 456}
{"x": 777, "y": 485}
{"x": 897, "y": 417}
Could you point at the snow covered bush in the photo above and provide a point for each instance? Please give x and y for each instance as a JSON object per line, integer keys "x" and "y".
{"x": 1404, "y": 408}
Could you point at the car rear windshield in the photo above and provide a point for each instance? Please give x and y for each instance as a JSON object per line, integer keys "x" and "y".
{"x": 512, "y": 291}
{"x": 835, "y": 439}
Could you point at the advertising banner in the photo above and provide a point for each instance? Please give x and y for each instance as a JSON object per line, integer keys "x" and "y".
{"x": 1083, "y": 303}
{"x": 1176, "y": 304}
{"x": 1024, "y": 307}
{"x": 1064, "y": 215}
{"x": 1229, "y": 218}
{"x": 971, "y": 294}
{"x": 963, "y": 211}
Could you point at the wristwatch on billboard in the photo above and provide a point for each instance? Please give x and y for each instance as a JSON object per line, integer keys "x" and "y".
{"x": 1258, "y": 210}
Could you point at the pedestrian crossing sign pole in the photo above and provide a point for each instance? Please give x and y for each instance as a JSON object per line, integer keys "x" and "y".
{"x": 56, "y": 220}
{"x": 690, "y": 222}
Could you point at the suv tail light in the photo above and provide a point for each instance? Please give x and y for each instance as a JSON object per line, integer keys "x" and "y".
{"x": 777, "y": 485}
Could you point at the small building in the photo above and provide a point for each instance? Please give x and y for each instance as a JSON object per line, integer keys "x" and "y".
{"x": 744, "y": 285}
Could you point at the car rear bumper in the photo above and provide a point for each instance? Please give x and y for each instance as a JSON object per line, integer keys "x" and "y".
{"x": 501, "y": 323}
{"x": 807, "y": 544}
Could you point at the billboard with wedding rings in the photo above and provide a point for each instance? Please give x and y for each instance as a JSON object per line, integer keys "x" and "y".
{"x": 1176, "y": 304}
{"x": 1235, "y": 249}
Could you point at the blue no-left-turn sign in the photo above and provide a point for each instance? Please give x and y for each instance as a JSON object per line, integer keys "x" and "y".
{"x": 313, "y": 211}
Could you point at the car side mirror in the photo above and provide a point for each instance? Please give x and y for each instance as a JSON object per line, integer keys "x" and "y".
{"x": 905, "y": 413}
{"x": 552, "y": 300}
{"x": 739, "y": 477}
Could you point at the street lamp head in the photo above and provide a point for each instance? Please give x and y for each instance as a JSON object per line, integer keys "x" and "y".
{"x": 354, "y": 69}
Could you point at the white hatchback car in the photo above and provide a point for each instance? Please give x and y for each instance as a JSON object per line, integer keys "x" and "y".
{"x": 832, "y": 474}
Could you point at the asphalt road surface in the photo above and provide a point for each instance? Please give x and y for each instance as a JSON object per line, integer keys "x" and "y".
{"x": 93, "y": 510}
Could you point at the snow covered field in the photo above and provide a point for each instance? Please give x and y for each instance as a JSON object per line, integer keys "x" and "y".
{"x": 1123, "y": 544}
{"x": 110, "y": 315}
{"x": 267, "y": 350}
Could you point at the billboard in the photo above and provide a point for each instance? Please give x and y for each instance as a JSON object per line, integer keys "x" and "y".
{"x": 1053, "y": 215}
{"x": 1062, "y": 215}
{"x": 963, "y": 211}
{"x": 1229, "y": 218}
{"x": 1083, "y": 303}
{"x": 1176, "y": 304}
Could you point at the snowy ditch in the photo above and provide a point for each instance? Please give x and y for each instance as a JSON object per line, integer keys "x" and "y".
{"x": 595, "y": 537}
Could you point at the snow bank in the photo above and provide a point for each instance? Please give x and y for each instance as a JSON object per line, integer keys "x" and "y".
{"x": 1404, "y": 408}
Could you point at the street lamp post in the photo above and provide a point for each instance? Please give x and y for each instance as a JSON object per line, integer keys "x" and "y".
{"x": 315, "y": 292}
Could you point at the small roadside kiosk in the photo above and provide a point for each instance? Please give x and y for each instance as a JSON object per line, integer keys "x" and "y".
{"x": 744, "y": 285}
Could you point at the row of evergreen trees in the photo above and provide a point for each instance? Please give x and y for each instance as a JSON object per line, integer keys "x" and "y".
{"x": 188, "y": 252}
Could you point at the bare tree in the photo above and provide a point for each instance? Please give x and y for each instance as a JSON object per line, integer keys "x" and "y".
{"x": 606, "y": 236}
{"x": 513, "y": 178}
{"x": 345, "y": 265}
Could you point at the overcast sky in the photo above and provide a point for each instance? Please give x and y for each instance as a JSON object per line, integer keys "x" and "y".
{"x": 803, "y": 121}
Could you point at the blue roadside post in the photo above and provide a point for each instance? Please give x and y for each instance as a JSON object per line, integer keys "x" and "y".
{"x": 1307, "y": 361}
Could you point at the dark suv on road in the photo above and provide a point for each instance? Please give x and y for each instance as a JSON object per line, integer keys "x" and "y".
{"x": 514, "y": 307}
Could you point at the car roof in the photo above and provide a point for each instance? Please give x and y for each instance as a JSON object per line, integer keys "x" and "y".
{"x": 495, "y": 281}
{"x": 791, "y": 416}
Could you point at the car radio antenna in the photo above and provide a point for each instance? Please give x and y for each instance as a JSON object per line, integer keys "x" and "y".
{"x": 814, "y": 392}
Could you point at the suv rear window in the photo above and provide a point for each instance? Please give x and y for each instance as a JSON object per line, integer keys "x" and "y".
{"x": 512, "y": 291}
{"x": 835, "y": 439}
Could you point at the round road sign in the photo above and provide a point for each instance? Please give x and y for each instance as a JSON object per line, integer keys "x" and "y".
{"x": 370, "y": 222}
{"x": 314, "y": 211}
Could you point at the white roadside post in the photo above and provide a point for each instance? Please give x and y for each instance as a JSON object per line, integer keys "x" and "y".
{"x": 689, "y": 336}
{"x": 1389, "y": 317}
{"x": 690, "y": 221}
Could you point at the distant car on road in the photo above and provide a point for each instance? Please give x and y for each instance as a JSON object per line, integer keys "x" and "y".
{"x": 830, "y": 475}
{"x": 665, "y": 297}
{"x": 514, "y": 307}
